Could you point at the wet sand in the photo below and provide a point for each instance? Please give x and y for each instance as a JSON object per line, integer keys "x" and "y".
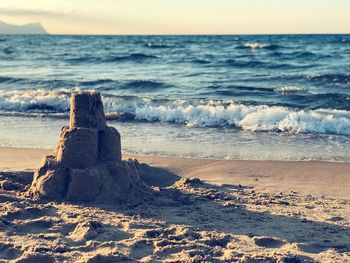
{"x": 316, "y": 178}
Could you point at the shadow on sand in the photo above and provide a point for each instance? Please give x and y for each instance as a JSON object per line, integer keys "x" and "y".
{"x": 211, "y": 208}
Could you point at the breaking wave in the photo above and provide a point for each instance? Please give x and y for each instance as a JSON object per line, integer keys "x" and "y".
{"x": 259, "y": 46}
{"x": 289, "y": 89}
{"x": 39, "y": 100}
{"x": 193, "y": 113}
{"x": 156, "y": 45}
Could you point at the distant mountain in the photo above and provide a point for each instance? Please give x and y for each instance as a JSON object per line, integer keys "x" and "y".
{"x": 32, "y": 28}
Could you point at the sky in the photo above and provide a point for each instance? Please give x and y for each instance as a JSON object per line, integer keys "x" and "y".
{"x": 181, "y": 16}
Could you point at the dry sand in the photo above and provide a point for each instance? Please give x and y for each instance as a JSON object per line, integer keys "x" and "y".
{"x": 239, "y": 211}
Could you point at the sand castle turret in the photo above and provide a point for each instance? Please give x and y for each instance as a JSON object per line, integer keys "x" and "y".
{"x": 87, "y": 162}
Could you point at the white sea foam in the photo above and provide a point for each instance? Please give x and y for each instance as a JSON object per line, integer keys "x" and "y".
{"x": 21, "y": 100}
{"x": 193, "y": 113}
{"x": 257, "y": 45}
{"x": 289, "y": 89}
{"x": 251, "y": 118}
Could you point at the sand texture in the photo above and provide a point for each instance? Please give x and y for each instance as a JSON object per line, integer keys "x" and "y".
{"x": 182, "y": 220}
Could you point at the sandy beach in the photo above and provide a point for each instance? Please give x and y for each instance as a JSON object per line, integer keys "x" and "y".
{"x": 174, "y": 131}
{"x": 236, "y": 211}
{"x": 317, "y": 178}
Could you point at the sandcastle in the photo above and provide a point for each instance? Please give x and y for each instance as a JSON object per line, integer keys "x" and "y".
{"x": 87, "y": 162}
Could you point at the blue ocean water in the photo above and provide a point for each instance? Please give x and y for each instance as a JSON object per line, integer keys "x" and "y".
{"x": 282, "y": 97}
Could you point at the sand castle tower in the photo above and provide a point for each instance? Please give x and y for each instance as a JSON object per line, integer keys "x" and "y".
{"x": 87, "y": 163}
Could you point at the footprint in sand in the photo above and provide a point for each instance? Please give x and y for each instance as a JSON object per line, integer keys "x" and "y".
{"x": 35, "y": 226}
{"x": 141, "y": 249}
{"x": 35, "y": 258}
{"x": 316, "y": 248}
{"x": 88, "y": 230}
{"x": 312, "y": 248}
{"x": 29, "y": 213}
{"x": 100, "y": 258}
{"x": 269, "y": 242}
{"x": 7, "y": 251}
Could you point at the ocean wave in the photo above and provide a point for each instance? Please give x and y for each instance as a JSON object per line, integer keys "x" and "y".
{"x": 250, "y": 118}
{"x": 193, "y": 113}
{"x": 297, "y": 55}
{"x": 289, "y": 89}
{"x": 37, "y": 100}
{"x": 330, "y": 78}
{"x": 259, "y": 46}
{"x": 9, "y": 79}
{"x": 259, "y": 64}
{"x": 143, "y": 85}
{"x": 54, "y": 83}
{"x": 200, "y": 61}
{"x": 236, "y": 90}
{"x": 135, "y": 57}
{"x": 245, "y": 63}
{"x": 132, "y": 57}
{"x": 8, "y": 50}
{"x": 96, "y": 82}
{"x": 156, "y": 45}
{"x": 303, "y": 54}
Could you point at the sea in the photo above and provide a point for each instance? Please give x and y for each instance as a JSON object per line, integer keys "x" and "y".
{"x": 240, "y": 97}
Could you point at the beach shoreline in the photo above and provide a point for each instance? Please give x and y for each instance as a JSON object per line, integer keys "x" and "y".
{"x": 317, "y": 178}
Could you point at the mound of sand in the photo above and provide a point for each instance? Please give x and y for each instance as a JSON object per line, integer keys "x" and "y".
{"x": 87, "y": 162}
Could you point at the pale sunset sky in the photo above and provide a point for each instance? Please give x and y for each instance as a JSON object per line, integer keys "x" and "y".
{"x": 181, "y": 16}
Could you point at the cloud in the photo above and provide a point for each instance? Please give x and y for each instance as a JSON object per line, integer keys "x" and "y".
{"x": 12, "y": 11}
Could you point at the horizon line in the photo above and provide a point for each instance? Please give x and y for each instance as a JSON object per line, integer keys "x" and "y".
{"x": 194, "y": 34}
